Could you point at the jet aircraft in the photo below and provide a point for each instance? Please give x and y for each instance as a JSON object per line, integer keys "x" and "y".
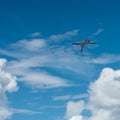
{"x": 83, "y": 43}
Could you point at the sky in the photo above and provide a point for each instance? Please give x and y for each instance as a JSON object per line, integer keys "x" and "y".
{"x": 44, "y": 76}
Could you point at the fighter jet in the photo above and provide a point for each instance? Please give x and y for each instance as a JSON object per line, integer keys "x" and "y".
{"x": 83, "y": 43}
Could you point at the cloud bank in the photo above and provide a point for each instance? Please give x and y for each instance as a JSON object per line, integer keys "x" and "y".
{"x": 7, "y": 84}
{"x": 104, "y": 99}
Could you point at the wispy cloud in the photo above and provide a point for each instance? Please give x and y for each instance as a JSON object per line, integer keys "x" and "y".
{"x": 65, "y": 36}
{"x": 30, "y": 45}
{"x": 43, "y": 80}
{"x": 105, "y": 59}
{"x": 36, "y": 34}
{"x": 96, "y": 33}
{"x": 33, "y": 55}
{"x": 99, "y": 30}
{"x": 70, "y": 97}
{"x": 24, "y": 111}
{"x": 52, "y": 107}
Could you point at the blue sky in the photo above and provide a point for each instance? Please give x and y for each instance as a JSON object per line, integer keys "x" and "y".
{"x": 42, "y": 76}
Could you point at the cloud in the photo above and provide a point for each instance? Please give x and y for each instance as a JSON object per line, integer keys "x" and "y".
{"x": 7, "y": 81}
{"x": 7, "y": 84}
{"x": 32, "y": 59}
{"x": 105, "y": 91}
{"x": 64, "y": 36}
{"x": 70, "y": 97}
{"x": 104, "y": 97}
{"x": 30, "y": 45}
{"x": 36, "y": 34}
{"x": 76, "y": 118}
{"x": 43, "y": 80}
{"x": 99, "y": 30}
{"x": 24, "y": 111}
{"x": 104, "y": 59}
{"x": 4, "y": 113}
{"x": 31, "y": 73}
{"x": 74, "y": 108}
{"x": 96, "y": 33}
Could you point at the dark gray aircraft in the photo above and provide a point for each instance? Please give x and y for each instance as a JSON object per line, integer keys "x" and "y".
{"x": 83, "y": 43}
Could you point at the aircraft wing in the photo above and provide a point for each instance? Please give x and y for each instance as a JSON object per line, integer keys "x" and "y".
{"x": 76, "y": 43}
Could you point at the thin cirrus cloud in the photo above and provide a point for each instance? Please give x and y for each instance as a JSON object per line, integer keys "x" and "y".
{"x": 103, "y": 102}
{"x": 70, "y": 97}
{"x": 36, "y": 53}
{"x": 105, "y": 59}
{"x": 66, "y": 36}
{"x": 36, "y": 34}
{"x": 96, "y": 33}
{"x": 33, "y": 54}
{"x": 99, "y": 30}
{"x": 43, "y": 80}
{"x": 24, "y": 111}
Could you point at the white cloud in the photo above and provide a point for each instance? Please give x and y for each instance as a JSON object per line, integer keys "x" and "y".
{"x": 64, "y": 36}
{"x": 99, "y": 30}
{"x": 34, "y": 55}
{"x": 70, "y": 97}
{"x": 105, "y": 91}
{"x": 7, "y": 81}
{"x": 7, "y": 84}
{"x": 43, "y": 80}
{"x": 24, "y": 111}
{"x": 104, "y": 100}
{"x": 65, "y": 97}
{"x": 104, "y": 59}
{"x": 30, "y": 45}
{"x": 74, "y": 108}
{"x": 77, "y": 118}
{"x": 27, "y": 68}
{"x": 96, "y": 33}
{"x": 4, "y": 113}
{"x": 36, "y": 34}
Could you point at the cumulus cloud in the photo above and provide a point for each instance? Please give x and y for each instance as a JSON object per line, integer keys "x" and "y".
{"x": 4, "y": 113}
{"x": 7, "y": 84}
{"x": 74, "y": 108}
{"x": 104, "y": 97}
{"x": 76, "y": 118}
